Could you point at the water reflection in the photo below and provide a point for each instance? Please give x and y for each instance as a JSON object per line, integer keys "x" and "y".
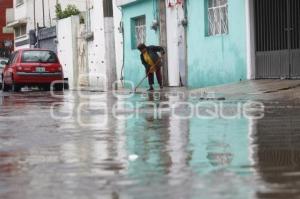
{"x": 276, "y": 154}
{"x": 175, "y": 158}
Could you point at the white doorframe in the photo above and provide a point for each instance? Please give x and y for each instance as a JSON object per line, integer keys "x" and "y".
{"x": 176, "y": 44}
{"x": 250, "y": 35}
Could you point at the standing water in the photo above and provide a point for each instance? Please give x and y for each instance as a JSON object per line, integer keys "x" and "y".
{"x": 145, "y": 146}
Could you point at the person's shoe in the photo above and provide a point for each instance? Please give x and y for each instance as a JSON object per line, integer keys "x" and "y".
{"x": 161, "y": 87}
{"x": 151, "y": 89}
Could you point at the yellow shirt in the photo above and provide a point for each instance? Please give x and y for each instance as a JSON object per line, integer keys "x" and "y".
{"x": 148, "y": 59}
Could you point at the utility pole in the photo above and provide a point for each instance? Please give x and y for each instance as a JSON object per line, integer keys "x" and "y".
{"x": 110, "y": 52}
{"x": 43, "y": 5}
{"x": 34, "y": 16}
{"x": 49, "y": 14}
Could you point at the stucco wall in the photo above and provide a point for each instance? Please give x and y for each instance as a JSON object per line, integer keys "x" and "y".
{"x": 134, "y": 70}
{"x": 67, "y": 48}
{"x": 216, "y": 59}
{"x": 96, "y": 48}
{"x": 118, "y": 39}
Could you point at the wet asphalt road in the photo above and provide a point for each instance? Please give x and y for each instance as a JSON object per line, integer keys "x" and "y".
{"x": 73, "y": 146}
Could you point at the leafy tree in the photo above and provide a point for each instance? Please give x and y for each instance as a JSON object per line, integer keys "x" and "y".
{"x": 69, "y": 11}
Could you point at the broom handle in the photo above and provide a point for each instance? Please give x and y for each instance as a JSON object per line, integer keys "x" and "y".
{"x": 146, "y": 75}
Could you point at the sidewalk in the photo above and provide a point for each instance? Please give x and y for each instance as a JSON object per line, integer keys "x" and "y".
{"x": 257, "y": 90}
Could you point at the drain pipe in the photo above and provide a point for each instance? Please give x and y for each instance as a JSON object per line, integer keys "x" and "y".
{"x": 121, "y": 30}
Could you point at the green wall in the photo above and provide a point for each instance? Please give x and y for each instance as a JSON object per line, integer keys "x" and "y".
{"x": 134, "y": 70}
{"x": 214, "y": 60}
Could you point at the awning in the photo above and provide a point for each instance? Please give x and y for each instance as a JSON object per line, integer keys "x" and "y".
{"x": 16, "y": 23}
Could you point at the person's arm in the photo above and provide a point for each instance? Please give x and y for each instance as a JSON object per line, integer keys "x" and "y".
{"x": 157, "y": 49}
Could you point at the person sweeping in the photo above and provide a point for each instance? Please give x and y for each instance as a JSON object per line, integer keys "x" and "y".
{"x": 152, "y": 62}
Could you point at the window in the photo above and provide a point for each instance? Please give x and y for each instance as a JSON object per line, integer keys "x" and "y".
{"x": 20, "y": 31}
{"x": 34, "y": 56}
{"x": 19, "y": 2}
{"x": 139, "y": 31}
{"x": 217, "y": 17}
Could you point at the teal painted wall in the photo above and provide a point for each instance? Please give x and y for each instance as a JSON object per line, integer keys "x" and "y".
{"x": 214, "y": 60}
{"x": 133, "y": 68}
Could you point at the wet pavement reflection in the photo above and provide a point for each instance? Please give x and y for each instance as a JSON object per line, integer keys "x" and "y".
{"x": 74, "y": 146}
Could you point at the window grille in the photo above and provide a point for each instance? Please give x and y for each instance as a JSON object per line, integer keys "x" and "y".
{"x": 217, "y": 17}
{"x": 20, "y": 31}
{"x": 140, "y": 30}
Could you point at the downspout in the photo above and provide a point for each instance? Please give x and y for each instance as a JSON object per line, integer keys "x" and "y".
{"x": 185, "y": 24}
{"x": 121, "y": 29}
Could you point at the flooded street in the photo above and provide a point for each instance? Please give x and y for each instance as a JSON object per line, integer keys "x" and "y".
{"x": 75, "y": 146}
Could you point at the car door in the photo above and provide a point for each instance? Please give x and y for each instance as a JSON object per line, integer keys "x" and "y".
{"x": 9, "y": 69}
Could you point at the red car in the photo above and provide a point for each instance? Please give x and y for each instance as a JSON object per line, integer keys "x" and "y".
{"x": 32, "y": 67}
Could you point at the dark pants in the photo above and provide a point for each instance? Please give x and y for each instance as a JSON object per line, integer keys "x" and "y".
{"x": 158, "y": 77}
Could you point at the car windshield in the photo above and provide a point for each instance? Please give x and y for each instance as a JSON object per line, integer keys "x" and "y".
{"x": 39, "y": 56}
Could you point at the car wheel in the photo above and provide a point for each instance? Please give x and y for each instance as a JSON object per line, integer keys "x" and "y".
{"x": 15, "y": 88}
{"x": 59, "y": 87}
{"x": 46, "y": 87}
{"x": 5, "y": 87}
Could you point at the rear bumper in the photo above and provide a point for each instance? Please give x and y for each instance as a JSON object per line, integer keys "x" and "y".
{"x": 40, "y": 74}
{"x": 37, "y": 78}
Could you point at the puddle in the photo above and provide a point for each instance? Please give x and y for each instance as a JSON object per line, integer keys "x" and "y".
{"x": 86, "y": 152}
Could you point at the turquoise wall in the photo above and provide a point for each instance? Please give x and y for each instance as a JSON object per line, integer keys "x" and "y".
{"x": 214, "y": 60}
{"x": 134, "y": 70}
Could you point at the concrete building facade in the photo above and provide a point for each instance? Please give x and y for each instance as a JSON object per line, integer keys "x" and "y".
{"x": 194, "y": 57}
{"x": 211, "y": 42}
{"x": 31, "y": 14}
{"x": 6, "y": 34}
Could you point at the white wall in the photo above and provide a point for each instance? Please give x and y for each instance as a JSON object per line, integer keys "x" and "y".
{"x": 82, "y": 57}
{"x": 67, "y": 30}
{"x": 250, "y": 35}
{"x": 118, "y": 39}
{"x": 176, "y": 44}
{"x": 96, "y": 48}
{"x": 20, "y": 11}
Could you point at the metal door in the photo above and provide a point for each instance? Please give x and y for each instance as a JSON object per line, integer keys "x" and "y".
{"x": 277, "y": 32}
{"x": 47, "y": 38}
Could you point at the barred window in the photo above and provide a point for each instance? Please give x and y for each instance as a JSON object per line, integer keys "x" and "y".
{"x": 217, "y": 17}
{"x": 139, "y": 32}
{"x": 20, "y": 31}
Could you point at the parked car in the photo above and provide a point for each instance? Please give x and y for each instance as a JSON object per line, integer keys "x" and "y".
{"x": 3, "y": 62}
{"x": 32, "y": 67}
